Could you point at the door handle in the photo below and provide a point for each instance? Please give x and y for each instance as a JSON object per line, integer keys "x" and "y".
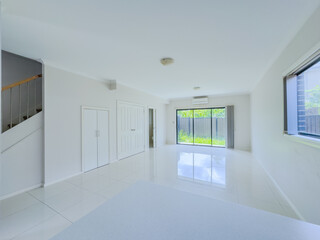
{"x": 97, "y": 133}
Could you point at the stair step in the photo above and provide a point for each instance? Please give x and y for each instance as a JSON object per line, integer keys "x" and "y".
{"x": 25, "y": 118}
{"x": 13, "y": 125}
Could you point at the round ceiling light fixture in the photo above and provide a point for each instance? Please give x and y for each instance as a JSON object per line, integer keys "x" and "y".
{"x": 166, "y": 61}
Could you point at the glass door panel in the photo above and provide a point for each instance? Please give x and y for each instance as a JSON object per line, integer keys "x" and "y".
{"x": 202, "y": 127}
{"x": 218, "y": 127}
{"x": 185, "y": 126}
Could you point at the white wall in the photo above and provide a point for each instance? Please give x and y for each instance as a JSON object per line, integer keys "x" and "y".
{"x": 64, "y": 94}
{"x": 294, "y": 167}
{"x": 242, "y": 117}
{"x": 22, "y": 157}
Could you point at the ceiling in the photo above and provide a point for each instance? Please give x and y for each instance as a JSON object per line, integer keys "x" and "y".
{"x": 224, "y": 47}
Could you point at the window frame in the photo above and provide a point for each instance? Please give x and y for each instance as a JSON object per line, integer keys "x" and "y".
{"x": 307, "y": 138}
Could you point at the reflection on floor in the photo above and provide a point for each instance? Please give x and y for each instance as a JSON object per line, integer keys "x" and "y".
{"x": 218, "y": 173}
{"x": 202, "y": 167}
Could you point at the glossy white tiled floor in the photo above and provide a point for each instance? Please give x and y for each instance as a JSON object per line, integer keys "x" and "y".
{"x": 213, "y": 172}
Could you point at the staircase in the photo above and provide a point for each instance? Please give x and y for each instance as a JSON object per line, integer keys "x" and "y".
{"x": 23, "y": 100}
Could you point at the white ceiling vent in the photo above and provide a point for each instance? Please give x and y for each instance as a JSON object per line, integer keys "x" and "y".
{"x": 200, "y": 100}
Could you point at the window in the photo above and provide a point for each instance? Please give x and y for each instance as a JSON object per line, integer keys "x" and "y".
{"x": 302, "y": 100}
{"x": 201, "y": 127}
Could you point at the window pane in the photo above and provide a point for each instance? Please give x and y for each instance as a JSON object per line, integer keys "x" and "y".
{"x": 185, "y": 126}
{"x": 308, "y": 97}
{"x": 202, "y": 127}
{"x": 218, "y": 127}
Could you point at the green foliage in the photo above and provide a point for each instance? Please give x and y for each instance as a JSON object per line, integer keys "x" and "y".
{"x": 185, "y": 113}
{"x": 202, "y": 113}
{"x": 218, "y": 142}
{"x": 313, "y": 98}
{"x": 218, "y": 112}
{"x": 185, "y": 138}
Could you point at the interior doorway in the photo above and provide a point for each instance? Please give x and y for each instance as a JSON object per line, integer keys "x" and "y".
{"x": 152, "y": 127}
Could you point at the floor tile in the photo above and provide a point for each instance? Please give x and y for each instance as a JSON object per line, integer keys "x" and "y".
{"x": 274, "y": 207}
{"x": 68, "y": 199}
{"x": 289, "y": 212}
{"x": 21, "y": 221}
{"x": 15, "y": 204}
{"x": 228, "y": 175}
{"x": 45, "y": 230}
{"x": 81, "y": 209}
{"x": 52, "y": 190}
{"x": 91, "y": 181}
{"x": 112, "y": 190}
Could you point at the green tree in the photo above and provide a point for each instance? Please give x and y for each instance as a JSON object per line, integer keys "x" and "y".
{"x": 218, "y": 112}
{"x": 202, "y": 113}
{"x": 185, "y": 113}
{"x": 313, "y": 98}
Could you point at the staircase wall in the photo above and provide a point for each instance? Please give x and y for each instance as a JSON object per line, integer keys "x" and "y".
{"x": 22, "y": 157}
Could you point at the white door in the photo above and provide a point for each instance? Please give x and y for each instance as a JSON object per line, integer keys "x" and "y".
{"x": 103, "y": 137}
{"x": 130, "y": 121}
{"x": 124, "y": 130}
{"x": 139, "y": 131}
{"x": 89, "y": 138}
{"x": 95, "y": 138}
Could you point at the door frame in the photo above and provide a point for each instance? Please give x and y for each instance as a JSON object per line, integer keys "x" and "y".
{"x": 117, "y": 125}
{"x": 83, "y": 107}
{"x": 197, "y": 108}
{"x": 154, "y": 126}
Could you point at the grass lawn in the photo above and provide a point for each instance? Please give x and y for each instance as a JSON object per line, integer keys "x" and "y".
{"x": 184, "y": 138}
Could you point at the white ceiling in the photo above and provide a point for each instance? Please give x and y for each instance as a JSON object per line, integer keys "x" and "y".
{"x": 222, "y": 46}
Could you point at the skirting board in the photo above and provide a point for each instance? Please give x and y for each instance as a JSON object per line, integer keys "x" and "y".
{"x": 71, "y": 176}
{"x": 282, "y": 192}
{"x": 61, "y": 179}
{"x": 20, "y": 191}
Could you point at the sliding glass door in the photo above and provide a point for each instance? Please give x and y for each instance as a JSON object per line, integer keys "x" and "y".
{"x": 218, "y": 127}
{"x": 201, "y": 126}
{"x": 185, "y": 132}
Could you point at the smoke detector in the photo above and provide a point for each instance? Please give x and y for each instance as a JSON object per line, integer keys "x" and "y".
{"x": 166, "y": 61}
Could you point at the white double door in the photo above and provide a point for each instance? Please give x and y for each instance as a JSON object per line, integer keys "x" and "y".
{"x": 95, "y": 138}
{"x": 131, "y": 126}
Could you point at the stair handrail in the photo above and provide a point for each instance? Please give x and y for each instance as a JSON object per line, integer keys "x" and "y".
{"x": 21, "y": 82}
{"x": 18, "y": 84}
